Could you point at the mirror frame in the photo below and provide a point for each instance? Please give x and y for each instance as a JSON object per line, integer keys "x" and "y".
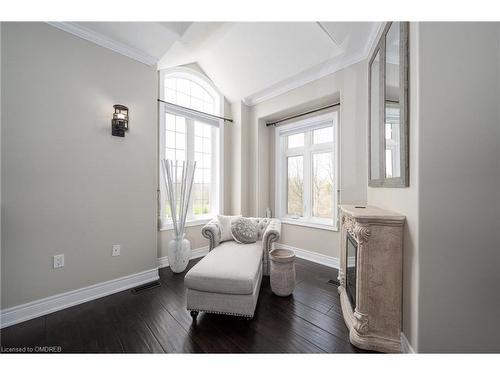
{"x": 403, "y": 180}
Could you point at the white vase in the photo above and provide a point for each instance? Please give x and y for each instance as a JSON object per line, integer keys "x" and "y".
{"x": 178, "y": 253}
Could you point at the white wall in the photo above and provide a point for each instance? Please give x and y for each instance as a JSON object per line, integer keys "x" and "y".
{"x": 68, "y": 186}
{"x": 350, "y": 86}
{"x": 459, "y": 172}
{"x": 406, "y": 201}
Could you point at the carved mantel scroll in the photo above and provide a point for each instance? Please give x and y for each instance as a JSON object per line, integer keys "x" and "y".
{"x": 360, "y": 232}
{"x": 341, "y": 278}
{"x": 375, "y": 322}
{"x": 360, "y": 322}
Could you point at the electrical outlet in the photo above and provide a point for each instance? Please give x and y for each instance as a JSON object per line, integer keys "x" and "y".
{"x": 116, "y": 250}
{"x": 59, "y": 261}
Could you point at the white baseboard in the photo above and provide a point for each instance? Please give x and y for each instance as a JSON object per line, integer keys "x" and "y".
{"x": 311, "y": 256}
{"x": 405, "y": 345}
{"x": 21, "y": 313}
{"x": 44, "y": 306}
{"x": 195, "y": 253}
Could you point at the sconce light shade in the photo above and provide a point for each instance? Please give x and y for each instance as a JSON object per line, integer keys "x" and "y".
{"x": 119, "y": 123}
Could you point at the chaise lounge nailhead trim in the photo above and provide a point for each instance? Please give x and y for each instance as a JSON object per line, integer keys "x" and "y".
{"x": 222, "y": 313}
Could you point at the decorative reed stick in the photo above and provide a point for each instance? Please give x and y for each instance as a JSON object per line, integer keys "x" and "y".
{"x": 178, "y": 197}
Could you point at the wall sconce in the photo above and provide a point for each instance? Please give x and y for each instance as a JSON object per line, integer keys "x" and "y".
{"x": 119, "y": 123}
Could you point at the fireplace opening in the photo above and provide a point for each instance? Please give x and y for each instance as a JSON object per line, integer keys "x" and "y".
{"x": 352, "y": 257}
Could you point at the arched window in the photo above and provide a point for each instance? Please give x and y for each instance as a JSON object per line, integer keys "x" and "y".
{"x": 191, "y": 90}
{"x": 192, "y": 135}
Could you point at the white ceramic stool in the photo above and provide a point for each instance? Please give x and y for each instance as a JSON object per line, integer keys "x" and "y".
{"x": 282, "y": 272}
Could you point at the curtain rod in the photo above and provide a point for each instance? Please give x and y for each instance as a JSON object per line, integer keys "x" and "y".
{"x": 274, "y": 123}
{"x": 194, "y": 110}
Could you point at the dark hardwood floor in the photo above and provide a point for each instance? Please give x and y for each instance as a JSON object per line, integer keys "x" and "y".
{"x": 156, "y": 321}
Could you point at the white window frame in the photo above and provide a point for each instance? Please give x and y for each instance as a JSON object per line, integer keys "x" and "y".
{"x": 216, "y": 146}
{"x": 308, "y": 150}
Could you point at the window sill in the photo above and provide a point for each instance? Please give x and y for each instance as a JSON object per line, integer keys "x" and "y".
{"x": 190, "y": 223}
{"x": 309, "y": 224}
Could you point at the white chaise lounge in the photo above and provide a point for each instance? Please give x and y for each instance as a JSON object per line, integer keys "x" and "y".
{"x": 227, "y": 280}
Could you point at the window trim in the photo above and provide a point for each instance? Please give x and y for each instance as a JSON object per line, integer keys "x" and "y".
{"x": 308, "y": 150}
{"x": 199, "y": 78}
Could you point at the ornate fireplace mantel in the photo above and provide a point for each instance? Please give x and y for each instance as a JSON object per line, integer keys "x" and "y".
{"x": 375, "y": 321}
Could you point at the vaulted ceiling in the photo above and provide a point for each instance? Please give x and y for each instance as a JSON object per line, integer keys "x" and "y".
{"x": 249, "y": 61}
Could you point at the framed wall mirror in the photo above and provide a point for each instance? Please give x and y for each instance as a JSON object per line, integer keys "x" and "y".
{"x": 388, "y": 159}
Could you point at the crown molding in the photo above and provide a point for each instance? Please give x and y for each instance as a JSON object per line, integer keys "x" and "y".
{"x": 329, "y": 34}
{"x": 309, "y": 75}
{"x": 312, "y": 74}
{"x": 373, "y": 38}
{"x": 106, "y": 42}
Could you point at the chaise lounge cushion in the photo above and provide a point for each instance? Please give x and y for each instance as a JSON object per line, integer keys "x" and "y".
{"x": 230, "y": 268}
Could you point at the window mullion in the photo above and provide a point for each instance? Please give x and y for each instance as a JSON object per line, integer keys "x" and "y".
{"x": 283, "y": 178}
{"x": 308, "y": 176}
{"x": 190, "y": 155}
{"x": 295, "y": 151}
{"x": 214, "y": 197}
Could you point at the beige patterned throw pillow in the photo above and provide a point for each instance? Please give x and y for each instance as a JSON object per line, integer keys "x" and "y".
{"x": 244, "y": 230}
